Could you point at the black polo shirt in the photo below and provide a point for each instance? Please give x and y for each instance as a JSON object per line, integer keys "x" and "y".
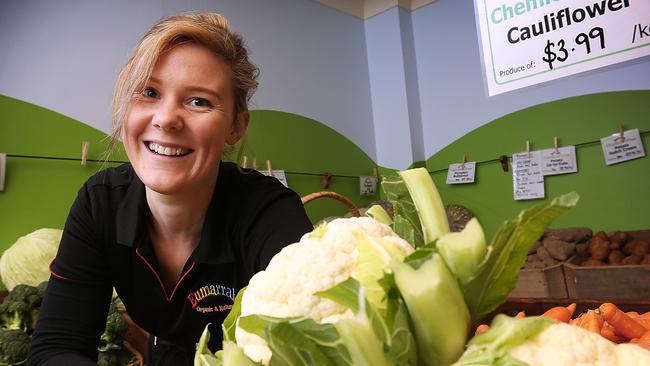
{"x": 106, "y": 244}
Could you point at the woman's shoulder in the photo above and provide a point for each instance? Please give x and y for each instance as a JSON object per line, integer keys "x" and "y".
{"x": 113, "y": 177}
{"x": 251, "y": 185}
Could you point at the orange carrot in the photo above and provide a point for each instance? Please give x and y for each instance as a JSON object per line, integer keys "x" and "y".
{"x": 608, "y": 332}
{"x": 482, "y": 328}
{"x": 559, "y": 313}
{"x": 571, "y": 308}
{"x": 520, "y": 314}
{"x": 593, "y": 322}
{"x": 645, "y": 336}
{"x": 623, "y": 324}
{"x": 578, "y": 320}
{"x": 645, "y": 322}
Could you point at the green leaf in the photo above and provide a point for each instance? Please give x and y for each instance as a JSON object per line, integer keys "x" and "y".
{"x": 232, "y": 355}
{"x": 406, "y": 220}
{"x": 290, "y": 347}
{"x": 325, "y": 337}
{"x": 464, "y": 251}
{"x": 378, "y": 213}
{"x": 427, "y": 201}
{"x": 498, "y": 273}
{"x": 348, "y": 293}
{"x": 230, "y": 323}
{"x": 435, "y": 303}
{"x": 490, "y": 348}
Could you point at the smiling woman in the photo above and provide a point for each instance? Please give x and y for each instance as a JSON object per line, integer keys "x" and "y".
{"x": 176, "y": 220}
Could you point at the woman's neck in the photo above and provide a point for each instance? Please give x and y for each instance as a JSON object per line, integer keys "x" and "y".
{"x": 179, "y": 218}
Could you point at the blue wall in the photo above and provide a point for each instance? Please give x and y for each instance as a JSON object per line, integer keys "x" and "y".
{"x": 65, "y": 55}
{"x": 453, "y": 95}
{"x": 401, "y": 85}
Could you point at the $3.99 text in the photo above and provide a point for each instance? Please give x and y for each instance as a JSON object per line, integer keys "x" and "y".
{"x": 557, "y": 52}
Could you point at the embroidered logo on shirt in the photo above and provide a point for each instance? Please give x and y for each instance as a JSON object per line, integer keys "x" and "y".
{"x": 209, "y": 291}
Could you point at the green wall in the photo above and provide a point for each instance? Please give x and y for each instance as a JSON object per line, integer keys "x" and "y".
{"x": 613, "y": 197}
{"x": 38, "y": 192}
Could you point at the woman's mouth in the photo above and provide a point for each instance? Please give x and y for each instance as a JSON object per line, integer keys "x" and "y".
{"x": 167, "y": 150}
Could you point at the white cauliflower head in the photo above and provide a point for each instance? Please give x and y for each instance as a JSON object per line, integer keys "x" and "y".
{"x": 562, "y": 344}
{"x": 322, "y": 259}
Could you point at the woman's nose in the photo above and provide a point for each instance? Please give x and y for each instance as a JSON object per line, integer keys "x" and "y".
{"x": 167, "y": 117}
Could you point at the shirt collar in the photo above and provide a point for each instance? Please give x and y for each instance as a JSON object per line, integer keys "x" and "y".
{"x": 131, "y": 220}
{"x": 215, "y": 245}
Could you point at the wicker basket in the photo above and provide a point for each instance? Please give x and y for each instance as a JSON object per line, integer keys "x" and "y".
{"x": 339, "y": 197}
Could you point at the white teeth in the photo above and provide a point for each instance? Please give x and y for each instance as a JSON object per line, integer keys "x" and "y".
{"x": 169, "y": 151}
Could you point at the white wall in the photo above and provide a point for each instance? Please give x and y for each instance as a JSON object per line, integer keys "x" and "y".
{"x": 64, "y": 55}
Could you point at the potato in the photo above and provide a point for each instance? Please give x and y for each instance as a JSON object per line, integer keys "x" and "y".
{"x": 646, "y": 259}
{"x": 599, "y": 248}
{"x": 602, "y": 235}
{"x": 619, "y": 237}
{"x": 545, "y": 257}
{"x": 615, "y": 257}
{"x": 636, "y": 247}
{"x": 581, "y": 248}
{"x": 631, "y": 259}
{"x": 591, "y": 262}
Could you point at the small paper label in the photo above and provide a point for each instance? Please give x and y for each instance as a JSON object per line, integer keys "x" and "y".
{"x": 527, "y": 177}
{"x": 617, "y": 149}
{"x": 367, "y": 185}
{"x": 560, "y": 161}
{"x": 278, "y": 174}
{"x": 3, "y": 168}
{"x": 461, "y": 173}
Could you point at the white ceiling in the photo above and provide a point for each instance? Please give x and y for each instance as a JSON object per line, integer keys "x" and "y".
{"x": 367, "y": 8}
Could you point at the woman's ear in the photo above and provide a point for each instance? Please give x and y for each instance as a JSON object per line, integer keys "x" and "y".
{"x": 239, "y": 128}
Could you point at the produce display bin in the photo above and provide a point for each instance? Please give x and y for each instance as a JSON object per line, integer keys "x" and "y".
{"x": 607, "y": 282}
{"x": 541, "y": 283}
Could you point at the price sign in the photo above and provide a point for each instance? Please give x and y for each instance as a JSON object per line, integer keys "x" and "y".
{"x": 278, "y": 174}
{"x": 367, "y": 185}
{"x": 617, "y": 149}
{"x": 560, "y": 161}
{"x": 461, "y": 173}
{"x": 526, "y": 42}
{"x": 527, "y": 177}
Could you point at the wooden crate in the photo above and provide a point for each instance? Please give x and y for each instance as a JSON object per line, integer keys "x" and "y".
{"x": 607, "y": 282}
{"x": 541, "y": 283}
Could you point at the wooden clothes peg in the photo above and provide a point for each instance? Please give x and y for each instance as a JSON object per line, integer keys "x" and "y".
{"x": 621, "y": 134}
{"x": 244, "y": 161}
{"x": 503, "y": 159}
{"x": 463, "y": 161}
{"x": 556, "y": 145}
{"x": 268, "y": 167}
{"x": 254, "y": 163}
{"x": 326, "y": 180}
{"x": 528, "y": 147}
{"x": 84, "y": 152}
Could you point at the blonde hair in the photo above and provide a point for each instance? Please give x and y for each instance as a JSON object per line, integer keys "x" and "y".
{"x": 210, "y": 30}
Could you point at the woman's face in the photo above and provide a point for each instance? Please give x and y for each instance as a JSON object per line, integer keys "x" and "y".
{"x": 177, "y": 126}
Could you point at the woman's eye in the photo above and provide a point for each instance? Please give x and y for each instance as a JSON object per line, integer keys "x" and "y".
{"x": 200, "y": 102}
{"x": 149, "y": 93}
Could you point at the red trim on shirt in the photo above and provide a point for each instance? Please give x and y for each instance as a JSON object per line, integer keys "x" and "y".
{"x": 56, "y": 274}
{"x": 162, "y": 286}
